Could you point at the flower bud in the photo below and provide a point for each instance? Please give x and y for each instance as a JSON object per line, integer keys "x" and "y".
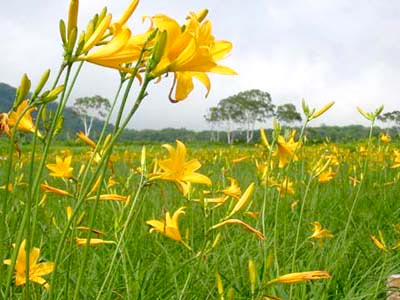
{"x": 42, "y": 82}
{"x": 202, "y": 15}
{"x": 158, "y": 50}
{"x": 22, "y": 91}
{"x": 252, "y": 276}
{"x": 63, "y": 33}
{"x": 52, "y": 95}
{"x": 321, "y": 111}
{"x": 73, "y": 15}
{"x": 98, "y": 33}
{"x": 72, "y": 36}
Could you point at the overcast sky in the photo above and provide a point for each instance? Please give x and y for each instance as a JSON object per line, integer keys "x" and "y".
{"x": 321, "y": 50}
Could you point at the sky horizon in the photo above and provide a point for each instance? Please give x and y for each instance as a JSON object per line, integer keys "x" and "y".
{"x": 332, "y": 50}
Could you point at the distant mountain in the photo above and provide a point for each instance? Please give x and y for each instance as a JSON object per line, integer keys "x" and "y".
{"x": 72, "y": 123}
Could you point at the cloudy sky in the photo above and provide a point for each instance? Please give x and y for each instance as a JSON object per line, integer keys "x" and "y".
{"x": 320, "y": 50}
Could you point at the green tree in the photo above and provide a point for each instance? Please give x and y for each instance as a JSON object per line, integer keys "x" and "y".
{"x": 392, "y": 119}
{"x": 90, "y": 108}
{"x": 229, "y": 111}
{"x": 287, "y": 113}
{"x": 253, "y": 106}
{"x": 214, "y": 118}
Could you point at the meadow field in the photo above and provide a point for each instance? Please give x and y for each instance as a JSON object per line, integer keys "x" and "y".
{"x": 231, "y": 237}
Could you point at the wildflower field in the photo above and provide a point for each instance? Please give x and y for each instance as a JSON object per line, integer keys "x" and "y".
{"x": 280, "y": 219}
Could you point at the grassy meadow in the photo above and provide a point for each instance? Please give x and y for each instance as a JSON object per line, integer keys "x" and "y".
{"x": 349, "y": 189}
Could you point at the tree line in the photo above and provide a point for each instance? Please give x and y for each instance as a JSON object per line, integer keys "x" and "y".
{"x": 242, "y": 112}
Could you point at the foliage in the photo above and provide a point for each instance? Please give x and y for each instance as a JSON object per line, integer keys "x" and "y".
{"x": 85, "y": 106}
{"x": 287, "y": 113}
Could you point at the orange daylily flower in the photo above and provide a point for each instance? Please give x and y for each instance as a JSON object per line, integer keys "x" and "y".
{"x": 62, "y": 168}
{"x": 169, "y": 226}
{"x": 180, "y": 171}
{"x": 36, "y": 270}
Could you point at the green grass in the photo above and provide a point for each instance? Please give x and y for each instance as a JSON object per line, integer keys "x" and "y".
{"x": 151, "y": 266}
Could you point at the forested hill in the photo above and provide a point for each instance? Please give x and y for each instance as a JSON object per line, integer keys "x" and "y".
{"x": 73, "y": 124}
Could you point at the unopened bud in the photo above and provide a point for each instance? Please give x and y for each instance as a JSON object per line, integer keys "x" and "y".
{"x": 42, "y": 82}
{"x": 143, "y": 158}
{"x": 98, "y": 33}
{"x": 216, "y": 240}
{"x": 366, "y": 115}
{"x": 63, "y": 32}
{"x": 73, "y": 15}
{"x": 51, "y": 95}
{"x": 201, "y": 15}
{"x": 321, "y": 111}
{"x": 81, "y": 44}
{"x": 72, "y": 36}
{"x": 264, "y": 139}
{"x": 158, "y": 49}
{"x": 220, "y": 286}
{"x": 22, "y": 91}
{"x": 252, "y": 276}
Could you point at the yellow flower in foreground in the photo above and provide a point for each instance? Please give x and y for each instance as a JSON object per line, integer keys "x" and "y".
{"x": 301, "y": 277}
{"x": 286, "y": 150}
{"x": 285, "y": 187}
{"x": 190, "y": 51}
{"x": 326, "y": 176}
{"x": 62, "y": 168}
{"x": 320, "y": 233}
{"x": 36, "y": 270}
{"x": 4, "y": 124}
{"x": 169, "y": 226}
{"x": 26, "y": 122}
{"x": 233, "y": 190}
{"x": 244, "y": 199}
{"x": 385, "y": 138}
{"x": 180, "y": 171}
{"x": 396, "y": 163}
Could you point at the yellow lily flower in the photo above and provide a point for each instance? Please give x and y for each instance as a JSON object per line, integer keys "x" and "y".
{"x": 326, "y": 176}
{"x": 385, "y": 138}
{"x": 300, "y": 277}
{"x": 80, "y": 135}
{"x": 190, "y": 53}
{"x": 4, "y": 124}
{"x": 121, "y": 49}
{"x": 92, "y": 242}
{"x": 180, "y": 171}
{"x": 116, "y": 26}
{"x": 320, "y": 233}
{"x": 111, "y": 197}
{"x": 36, "y": 270}
{"x": 62, "y": 168}
{"x": 169, "y": 226}
{"x": 246, "y": 226}
{"x": 379, "y": 243}
{"x": 233, "y": 190}
{"x": 285, "y": 187}
{"x": 54, "y": 190}
{"x": 396, "y": 163}
{"x": 26, "y": 123}
{"x": 244, "y": 199}
{"x": 286, "y": 150}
